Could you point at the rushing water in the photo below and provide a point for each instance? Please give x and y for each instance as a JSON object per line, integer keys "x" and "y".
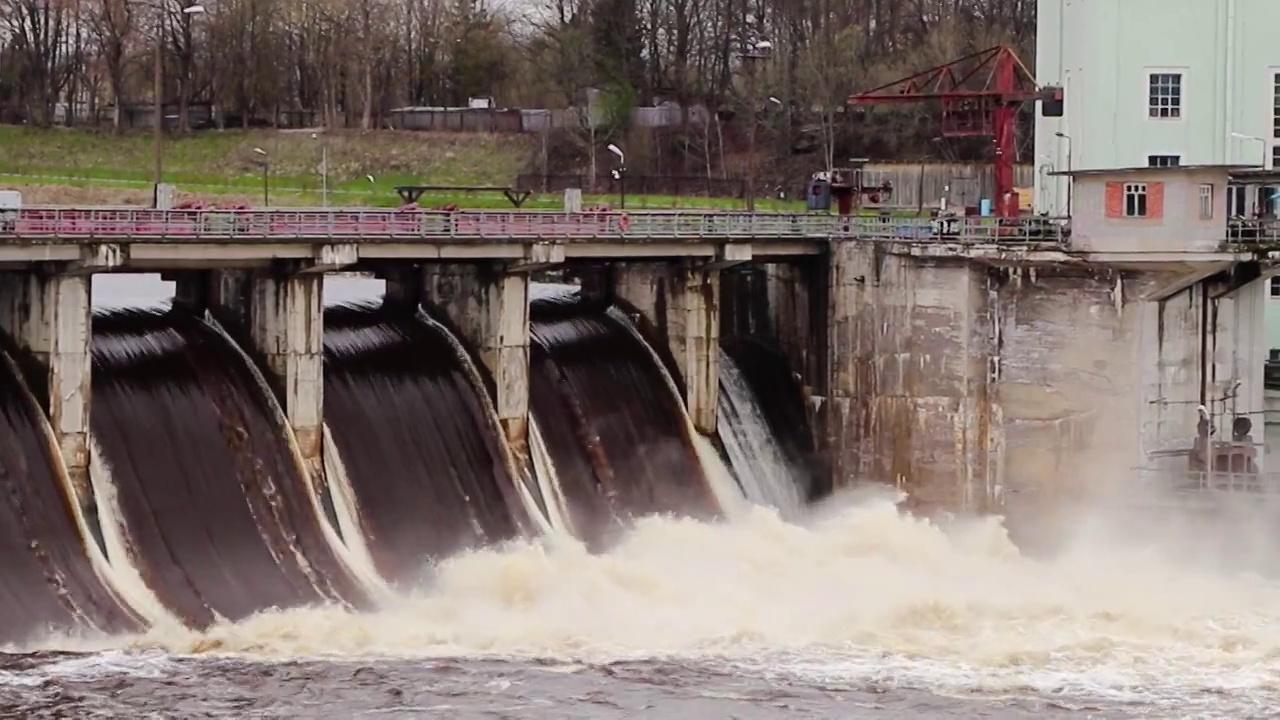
{"x": 836, "y": 609}
{"x": 427, "y": 467}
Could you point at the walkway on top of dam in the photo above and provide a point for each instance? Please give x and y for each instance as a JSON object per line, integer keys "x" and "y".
{"x": 113, "y": 237}
{"x": 100, "y": 239}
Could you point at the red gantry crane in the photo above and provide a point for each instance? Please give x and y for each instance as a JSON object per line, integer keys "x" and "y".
{"x": 980, "y": 96}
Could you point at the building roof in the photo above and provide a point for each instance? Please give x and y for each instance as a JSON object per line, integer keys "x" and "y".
{"x": 1257, "y": 175}
{"x": 1232, "y": 169}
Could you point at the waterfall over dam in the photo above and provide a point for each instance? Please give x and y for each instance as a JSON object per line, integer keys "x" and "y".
{"x": 212, "y": 508}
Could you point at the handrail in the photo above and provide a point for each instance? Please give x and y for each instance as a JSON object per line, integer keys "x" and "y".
{"x": 124, "y": 225}
{"x": 1246, "y": 231}
{"x": 1216, "y": 482}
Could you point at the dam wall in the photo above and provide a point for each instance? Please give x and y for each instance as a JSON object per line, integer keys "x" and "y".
{"x": 977, "y": 384}
{"x": 969, "y": 371}
{"x": 968, "y": 384}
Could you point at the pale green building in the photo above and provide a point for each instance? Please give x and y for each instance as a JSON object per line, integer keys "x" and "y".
{"x": 1158, "y": 82}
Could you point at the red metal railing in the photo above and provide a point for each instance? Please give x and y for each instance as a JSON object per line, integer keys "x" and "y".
{"x": 117, "y": 224}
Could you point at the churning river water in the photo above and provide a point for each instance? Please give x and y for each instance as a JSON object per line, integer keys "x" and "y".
{"x": 845, "y": 609}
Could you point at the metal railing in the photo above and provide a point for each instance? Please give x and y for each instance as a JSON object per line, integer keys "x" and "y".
{"x": 1190, "y": 481}
{"x": 121, "y": 225}
{"x": 1253, "y": 232}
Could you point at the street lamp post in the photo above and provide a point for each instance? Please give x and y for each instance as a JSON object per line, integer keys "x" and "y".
{"x": 1260, "y": 141}
{"x": 266, "y": 175}
{"x": 620, "y": 175}
{"x": 1070, "y": 180}
{"x": 162, "y": 30}
{"x": 756, "y": 50}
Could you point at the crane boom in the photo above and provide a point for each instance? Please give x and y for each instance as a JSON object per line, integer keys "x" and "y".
{"x": 980, "y": 96}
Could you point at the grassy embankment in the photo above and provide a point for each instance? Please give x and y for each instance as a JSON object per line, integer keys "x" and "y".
{"x": 68, "y": 167}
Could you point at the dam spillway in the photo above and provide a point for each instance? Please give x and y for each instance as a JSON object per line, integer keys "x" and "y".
{"x": 210, "y": 499}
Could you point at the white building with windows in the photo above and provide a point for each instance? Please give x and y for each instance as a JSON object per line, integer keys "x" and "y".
{"x": 1156, "y": 83}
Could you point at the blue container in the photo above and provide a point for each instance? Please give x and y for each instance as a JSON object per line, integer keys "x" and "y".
{"x": 818, "y": 195}
{"x": 984, "y": 206}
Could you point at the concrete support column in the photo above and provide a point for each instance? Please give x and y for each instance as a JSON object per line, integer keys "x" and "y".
{"x": 226, "y": 291}
{"x": 404, "y": 285}
{"x": 910, "y": 352}
{"x": 489, "y": 305}
{"x": 286, "y": 325}
{"x": 48, "y": 316}
{"x": 683, "y": 301}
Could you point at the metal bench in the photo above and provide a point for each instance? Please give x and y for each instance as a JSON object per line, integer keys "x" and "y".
{"x": 412, "y": 193}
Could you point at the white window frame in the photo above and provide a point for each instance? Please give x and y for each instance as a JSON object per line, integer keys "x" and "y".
{"x": 1177, "y": 160}
{"x": 1137, "y": 193}
{"x": 1181, "y": 107}
{"x": 1206, "y": 193}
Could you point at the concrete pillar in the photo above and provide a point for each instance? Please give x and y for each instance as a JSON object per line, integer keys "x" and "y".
{"x": 286, "y": 325}
{"x": 48, "y": 317}
{"x": 281, "y": 315}
{"x": 682, "y": 300}
{"x": 489, "y": 306}
{"x": 910, "y": 351}
{"x": 404, "y": 285}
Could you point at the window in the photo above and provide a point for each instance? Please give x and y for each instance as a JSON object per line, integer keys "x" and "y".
{"x": 1135, "y": 200}
{"x": 1236, "y": 201}
{"x": 1275, "y": 156}
{"x": 1164, "y": 95}
{"x": 1206, "y": 201}
{"x": 1275, "y": 286}
{"x": 1164, "y": 160}
{"x": 1275, "y": 109}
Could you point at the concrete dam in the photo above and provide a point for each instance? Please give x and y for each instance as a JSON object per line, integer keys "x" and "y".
{"x": 255, "y": 446}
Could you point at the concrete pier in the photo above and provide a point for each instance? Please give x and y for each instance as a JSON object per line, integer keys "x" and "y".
{"x": 682, "y": 300}
{"x": 282, "y": 314}
{"x": 286, "y": 323}
{"x": 488, "y": 304}
{"x": 48, "y": 316}
{"x": 909, "y": 352}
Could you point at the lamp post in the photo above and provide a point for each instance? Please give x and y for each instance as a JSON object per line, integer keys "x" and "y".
{"x": 266, "y": 175}
{"x": 620, "y": 175}
{"x": 756, "y": 50}
{"x": 1261, "y": 141}
{"x": 1070, "y": 180}
{"x": 162, "y": 29}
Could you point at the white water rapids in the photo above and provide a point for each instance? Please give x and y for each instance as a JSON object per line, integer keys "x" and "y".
{"x": 858, "y": 592}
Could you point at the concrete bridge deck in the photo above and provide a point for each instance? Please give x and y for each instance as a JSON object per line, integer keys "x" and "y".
{"x": 140, "y": 238}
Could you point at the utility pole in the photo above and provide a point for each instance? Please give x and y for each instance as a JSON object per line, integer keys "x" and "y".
{"x": 756, "y": 50}
{"x": 162, "y": 31}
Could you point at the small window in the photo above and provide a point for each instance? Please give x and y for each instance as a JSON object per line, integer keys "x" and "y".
{"x": 1135, "y": 200}
{"x": 1275, "y": 156}
{"x": 1164, "y": 96}
{"x": 1159, "y": 161}
{"x": 1206, "y": 201}
{"x": 1275, "y": 286}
